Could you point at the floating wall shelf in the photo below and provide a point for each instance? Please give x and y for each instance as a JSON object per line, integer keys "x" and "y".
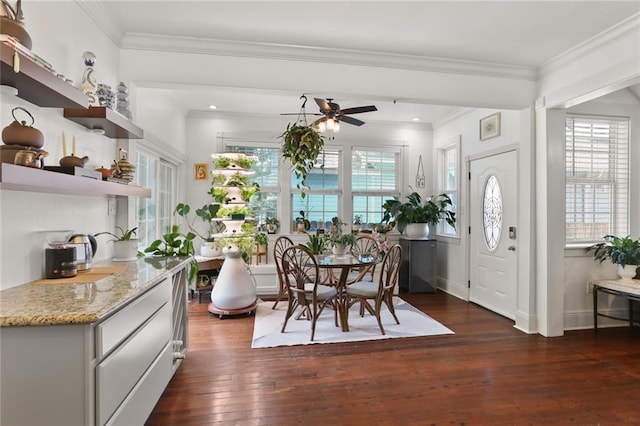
{"x": 21, "y": 178}
{"x": 36, "y": 84}
{"x": 115, "y": 126}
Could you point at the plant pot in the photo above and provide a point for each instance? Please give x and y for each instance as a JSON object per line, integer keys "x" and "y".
{"x": 271, "y": 229}
{"x": 300, "y": 226}
{"x": 627, "y": 272}
{"x": 338, "y": 249}
{"x": 209, "y": 249}
{"x": 417, "y": 230}
{"x": 355, "y": 228}
{"x": 125, "y": 250}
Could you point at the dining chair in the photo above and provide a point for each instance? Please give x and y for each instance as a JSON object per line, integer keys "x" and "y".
{"x": 301, "y": 275}
{"x": 365, "y": 246}
{"x": 380, "y": 292}
{"x": 281, "y": 244}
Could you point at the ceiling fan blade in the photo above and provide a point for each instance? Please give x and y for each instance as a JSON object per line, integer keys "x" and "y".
{"x": 324, "y": 105}
{"x": 357, "y": 110}
{"x": 297, "y": 113}
{"x": 351, "y": 120}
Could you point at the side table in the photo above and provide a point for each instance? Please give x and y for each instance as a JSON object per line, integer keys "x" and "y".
{"x": 628, "y": 289}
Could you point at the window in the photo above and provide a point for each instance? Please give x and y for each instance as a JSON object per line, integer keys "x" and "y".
{"x": 597, "y": 177}
{"x": 448, "y": 181}
{"x": 321, "y": 201}
{"x": 154, "y": 215}
{"x": 265, "y": 203}
{"x": 374, "y": 178}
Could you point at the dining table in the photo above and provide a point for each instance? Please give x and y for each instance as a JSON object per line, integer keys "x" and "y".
{"x": 342, "y": 264}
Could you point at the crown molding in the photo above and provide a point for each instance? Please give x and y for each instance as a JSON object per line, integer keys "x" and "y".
{"x": 453, "y": 116}
{"x": 597, "y": 42}
{"x": 100, "y": 15}
{"x": 152, "y": 42}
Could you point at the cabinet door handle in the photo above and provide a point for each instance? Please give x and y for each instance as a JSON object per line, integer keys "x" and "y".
{"x": 511, "y": 248}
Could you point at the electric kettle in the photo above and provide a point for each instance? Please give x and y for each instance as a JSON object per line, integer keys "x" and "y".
{"x": 86, "y": 247}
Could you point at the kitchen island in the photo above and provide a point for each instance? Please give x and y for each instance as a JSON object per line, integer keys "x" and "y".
{"x": 96, "y": 349}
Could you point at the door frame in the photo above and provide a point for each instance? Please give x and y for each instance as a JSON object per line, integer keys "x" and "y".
{"x": 467, "y": 164}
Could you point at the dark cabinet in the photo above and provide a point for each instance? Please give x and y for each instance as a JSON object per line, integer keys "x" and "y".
{"x": 419, "y": 268}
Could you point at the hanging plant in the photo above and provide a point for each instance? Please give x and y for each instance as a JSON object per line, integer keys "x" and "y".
{"x": 301, "y": 145}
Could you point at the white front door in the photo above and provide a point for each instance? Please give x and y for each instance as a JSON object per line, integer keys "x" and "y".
{"x": 493, "y": 215}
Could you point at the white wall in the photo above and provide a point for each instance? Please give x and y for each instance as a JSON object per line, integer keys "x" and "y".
{"x": 61, "y": 41}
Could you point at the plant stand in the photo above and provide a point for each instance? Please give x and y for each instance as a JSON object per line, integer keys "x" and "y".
{"x": 235, "y": 289}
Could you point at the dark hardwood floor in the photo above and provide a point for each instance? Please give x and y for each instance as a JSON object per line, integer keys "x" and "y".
{"x": 487, "y": 373}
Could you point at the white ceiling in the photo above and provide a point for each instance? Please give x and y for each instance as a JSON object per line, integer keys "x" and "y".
{"x": 525, "y": 34}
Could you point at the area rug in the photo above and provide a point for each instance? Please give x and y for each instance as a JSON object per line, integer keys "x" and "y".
{"x": 268, "y": 323}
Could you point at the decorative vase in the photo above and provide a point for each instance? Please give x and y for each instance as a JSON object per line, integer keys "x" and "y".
{"x": 88, "y": 84}
{"x": 125, "y": 250}
{"x": 627, "y": 272}
{"x": 417, "y": 230}
{"x": 122, "y": 100}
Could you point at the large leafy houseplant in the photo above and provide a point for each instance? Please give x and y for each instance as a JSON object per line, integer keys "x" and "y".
{"x": 301, "y": 145}
{"x": 175, "y": 243}
{"x": 619, "y": 250}
{"x": 433, "y": 210}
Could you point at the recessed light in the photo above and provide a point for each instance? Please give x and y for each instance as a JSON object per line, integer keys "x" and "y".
{"x": 416, "y": 118}
{"x": 212, "y": 107}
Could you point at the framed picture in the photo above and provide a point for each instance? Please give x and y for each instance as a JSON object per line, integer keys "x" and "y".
{"x": 490, "y": 126}
{"x": 201, "y": 171}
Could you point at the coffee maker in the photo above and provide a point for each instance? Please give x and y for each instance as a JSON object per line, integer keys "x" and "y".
{"x": 60, "y": 262}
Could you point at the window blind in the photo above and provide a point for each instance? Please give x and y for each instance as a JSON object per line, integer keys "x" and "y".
{"x": 597, "y": 177}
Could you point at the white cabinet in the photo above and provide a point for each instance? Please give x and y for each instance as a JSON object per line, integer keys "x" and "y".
{"x": 109, "y": 372}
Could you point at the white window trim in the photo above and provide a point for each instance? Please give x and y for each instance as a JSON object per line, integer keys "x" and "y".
{"x": 452, "y": 143}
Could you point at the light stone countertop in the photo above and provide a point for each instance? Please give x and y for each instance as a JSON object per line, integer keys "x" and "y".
{"x": 36, "y": 304}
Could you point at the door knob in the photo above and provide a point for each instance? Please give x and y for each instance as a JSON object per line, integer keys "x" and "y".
{"x": 511, "y": 248}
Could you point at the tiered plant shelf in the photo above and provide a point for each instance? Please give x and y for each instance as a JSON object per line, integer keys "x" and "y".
{"x": 114, "y": 125}
{"x": 21, "y": 178}
{"x": 36, "y": 84}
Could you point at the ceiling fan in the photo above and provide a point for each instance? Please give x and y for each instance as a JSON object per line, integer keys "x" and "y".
{"x": 333, "y": 115}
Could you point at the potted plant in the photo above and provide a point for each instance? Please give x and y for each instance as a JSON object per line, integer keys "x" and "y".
{"x": 246, "y": 192}
{"x": 125, "y": 246}
{"x": 175, "y": 243}
{"x": 272, "y": 224}
{"x": 301, "y": 145}
{"x": 357, "y": 222}
{"x": 418, "y": 214}
{"x": 621, "y": 251}
{"x": 219, "y": 194}
{"x": 316, "y": 243}
{"x": 337, "y": 239}
{"x": 207, "y": 213}
{"x": 302, "y": 223}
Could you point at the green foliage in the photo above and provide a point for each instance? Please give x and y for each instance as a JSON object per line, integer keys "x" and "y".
{"x": 620, "y": 250}
{"x": 357, "y": 220}
{"x": 238, "y": 180}
{"x": 221, "y": 162}
{"x": 125, "y": 235}
{"x": 219, "y": 194}
{"x": 316, "y": 243}
{"x": 432, "y": 211}
{"x": 272, "y": 221}
{"x": 218, "y": 179}
{"x": 175, "y": 243}
{"x": 228, "y": 210}
{"x": 247, "y": 192}
{"x": 301, "y": 145}
{"x": 207, "y": 212}
{"x": 243, "y": 161}
{"x": 261, "y": 239}
{"x": 336, "y": 237}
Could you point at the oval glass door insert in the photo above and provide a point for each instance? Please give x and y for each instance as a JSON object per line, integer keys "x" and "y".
{"x": 492, "y": 213}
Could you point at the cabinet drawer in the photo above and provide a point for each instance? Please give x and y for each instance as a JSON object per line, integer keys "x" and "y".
{"x": 117, "y": 328}
{"x": 138, "y": 405}
{"x": 120, "y": 371}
